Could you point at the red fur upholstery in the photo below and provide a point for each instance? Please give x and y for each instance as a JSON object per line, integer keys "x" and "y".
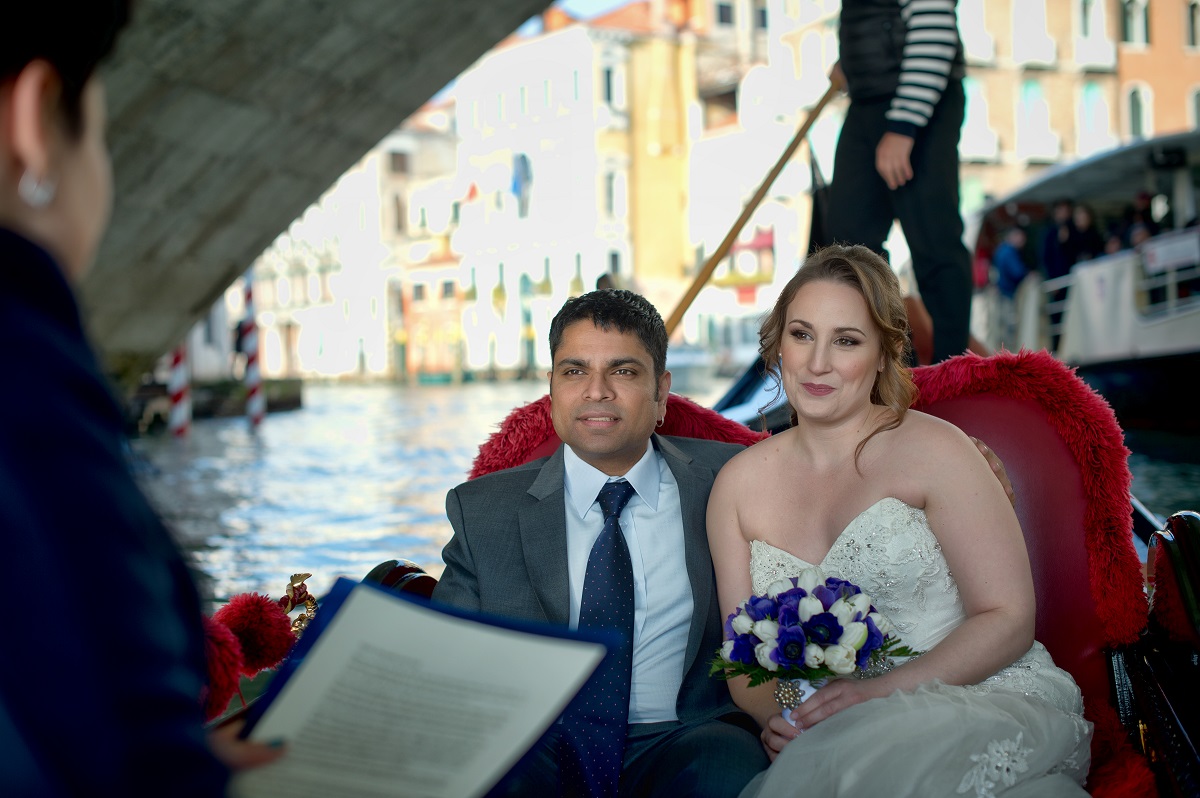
{"x": 1064, "y": 453}
{"x": 528, "y": 433}
{"x": 1063, "y": 450}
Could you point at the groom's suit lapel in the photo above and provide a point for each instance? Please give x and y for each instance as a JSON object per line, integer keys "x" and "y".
{"x": 543, "y": 531}
{"x": 695, "y": 482}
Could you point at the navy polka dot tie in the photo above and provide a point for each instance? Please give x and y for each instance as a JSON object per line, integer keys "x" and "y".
{"x": 594, "y": 724}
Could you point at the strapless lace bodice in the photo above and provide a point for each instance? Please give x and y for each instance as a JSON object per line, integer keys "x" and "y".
{"x": 891, "y": 553}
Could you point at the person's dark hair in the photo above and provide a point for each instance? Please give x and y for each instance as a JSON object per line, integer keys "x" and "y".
{"x": 624, "y": 310}
{"x": 871, "y": 276}
{"x": 73, "y": 36}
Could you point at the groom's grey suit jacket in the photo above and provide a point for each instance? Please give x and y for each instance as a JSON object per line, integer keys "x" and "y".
{"x": 508, "y": 555}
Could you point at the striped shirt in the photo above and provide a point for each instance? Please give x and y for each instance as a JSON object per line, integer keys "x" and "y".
{"x": 930, "y": 46}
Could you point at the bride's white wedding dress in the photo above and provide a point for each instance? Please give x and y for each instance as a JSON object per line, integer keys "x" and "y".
{"x": 1018, "y": 733}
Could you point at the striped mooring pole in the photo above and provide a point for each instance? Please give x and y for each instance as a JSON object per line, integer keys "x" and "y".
{"x": 178, "y": 386}
{"x": 255, "y": 399}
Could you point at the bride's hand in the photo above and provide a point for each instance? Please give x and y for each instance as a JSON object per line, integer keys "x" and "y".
{"x": 777, "y": 734}
{"x": 831, "y": 699}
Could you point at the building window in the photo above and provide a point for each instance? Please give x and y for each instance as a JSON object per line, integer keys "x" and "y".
{"x": 760, "y": 16}
{"x": 500, "y": 107}
{"x": 607, "y": 78}
{"x": 1138, "y": 104}
{"x": 978, "y": 142}
{"x": 614, "y": 262}
{"x": 1094, "y": 133}
{"x": 725, "y": 14}
{"x": 610, "y": 193}
{"x": 455, "y": 210}
{"x": 1193, "y": 23}
{"x": 1036, "y": 140}
{"x": 524, "y": 100}
{"x": 1093, "y": 48}
{"x": 418, "y": 292}
{"x": 398, "y": 206}
{"x": 972, "y": 25}
{"x": 448, "y": 289}
{"x": 398, "y": 162}
{"x": 1034, "y": 46}
{"x": 423, "y": 221}
{"x": 1196, "y": 108}
{"x": 1135, "y": 22}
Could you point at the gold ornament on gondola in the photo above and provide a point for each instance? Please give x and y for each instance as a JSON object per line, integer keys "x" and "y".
{"x": 295, "y": 594}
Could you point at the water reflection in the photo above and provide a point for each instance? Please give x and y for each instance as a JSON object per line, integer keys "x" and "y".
{"x": 357, "y": 477}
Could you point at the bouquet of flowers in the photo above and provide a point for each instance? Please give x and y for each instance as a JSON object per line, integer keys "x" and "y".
{"x": 809, "y": 628}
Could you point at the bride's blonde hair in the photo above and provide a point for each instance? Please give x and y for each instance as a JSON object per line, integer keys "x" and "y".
{"x": 873, "y": 278}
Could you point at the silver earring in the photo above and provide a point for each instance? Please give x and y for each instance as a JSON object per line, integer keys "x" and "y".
{"x": 660, "y": 422}
{"x": 35, "y": 193}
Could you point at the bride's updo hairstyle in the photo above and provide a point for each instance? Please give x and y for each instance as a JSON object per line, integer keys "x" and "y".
{"x": 871, "y": 276}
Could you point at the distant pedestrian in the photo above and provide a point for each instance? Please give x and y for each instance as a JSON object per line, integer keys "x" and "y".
{"x": 1058, "y": 242}
{"x": 1089, "y": 243}
{"x": 1011, "y": 269}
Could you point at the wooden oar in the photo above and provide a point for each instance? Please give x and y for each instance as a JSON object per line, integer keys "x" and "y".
{"x": 711, "y": 264}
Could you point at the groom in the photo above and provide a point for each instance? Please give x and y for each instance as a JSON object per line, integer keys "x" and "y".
{"x": 548, "y": 541}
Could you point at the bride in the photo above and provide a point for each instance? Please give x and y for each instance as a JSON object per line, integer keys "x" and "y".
{"x": 901, "y": 504}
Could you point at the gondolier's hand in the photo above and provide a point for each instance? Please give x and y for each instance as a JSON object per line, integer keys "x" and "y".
{"x": 997, "y": 466}
{"x": 238, "y": 754}
{"x": 837, "y": 78}
{"x": 892, "y": 159}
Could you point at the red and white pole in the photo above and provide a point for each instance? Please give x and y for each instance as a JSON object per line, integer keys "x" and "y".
{"x": 179, "y": 389}
{"x": 256, "y": 403}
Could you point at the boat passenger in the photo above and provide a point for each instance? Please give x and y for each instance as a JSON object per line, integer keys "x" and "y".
{"x": 896, "y": 502}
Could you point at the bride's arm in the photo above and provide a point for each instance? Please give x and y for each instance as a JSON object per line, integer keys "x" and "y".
{"x": 731, "y": 560}
{"x": 981, "y": 540}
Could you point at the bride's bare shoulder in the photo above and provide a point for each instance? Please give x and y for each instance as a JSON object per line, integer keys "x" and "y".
{"x": 751, "y": 460}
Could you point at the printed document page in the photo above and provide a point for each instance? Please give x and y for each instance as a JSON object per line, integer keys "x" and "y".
{"x": 399, "y": 698}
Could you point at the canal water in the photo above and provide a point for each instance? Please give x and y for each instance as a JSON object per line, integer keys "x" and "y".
{"x": 360, "y": 475}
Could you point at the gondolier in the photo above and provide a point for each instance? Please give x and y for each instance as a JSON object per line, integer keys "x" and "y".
{"x": 897, "y": 154}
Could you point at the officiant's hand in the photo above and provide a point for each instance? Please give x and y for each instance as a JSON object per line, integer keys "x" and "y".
{"x": 238, "y": 754}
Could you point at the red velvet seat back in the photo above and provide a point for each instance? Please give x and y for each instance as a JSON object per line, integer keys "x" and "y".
{"x": 1065, "y": 455}
{"x": 1052, "y": 508}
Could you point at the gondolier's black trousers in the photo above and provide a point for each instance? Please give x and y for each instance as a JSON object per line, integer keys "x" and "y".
{"x": 861, "y": 209}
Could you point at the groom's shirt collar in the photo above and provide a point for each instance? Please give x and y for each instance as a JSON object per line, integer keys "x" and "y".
{"x": 583, "y": 481}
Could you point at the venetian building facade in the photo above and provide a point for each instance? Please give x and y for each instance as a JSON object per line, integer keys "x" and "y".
{"x": 572, "y": 164}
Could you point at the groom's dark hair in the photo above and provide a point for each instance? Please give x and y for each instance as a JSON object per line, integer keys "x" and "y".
{"x": 616, "y": 307}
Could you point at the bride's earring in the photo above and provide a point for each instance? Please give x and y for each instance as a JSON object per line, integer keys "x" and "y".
{"x": 34, "y": 192}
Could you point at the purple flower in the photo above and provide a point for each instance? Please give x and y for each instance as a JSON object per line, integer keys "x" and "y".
{"x": 743, "y": 649}
{"x": 729, "y": 623}
{"x": 874, "y": 641}
{"x": 843, "y": 587}
{"x": 789, "y": 607}
{"x": 823, "y": 628}
{"x": 789, "y": 647}
{"x": 760, "y": 607}
{"x": 825, "y": 595}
